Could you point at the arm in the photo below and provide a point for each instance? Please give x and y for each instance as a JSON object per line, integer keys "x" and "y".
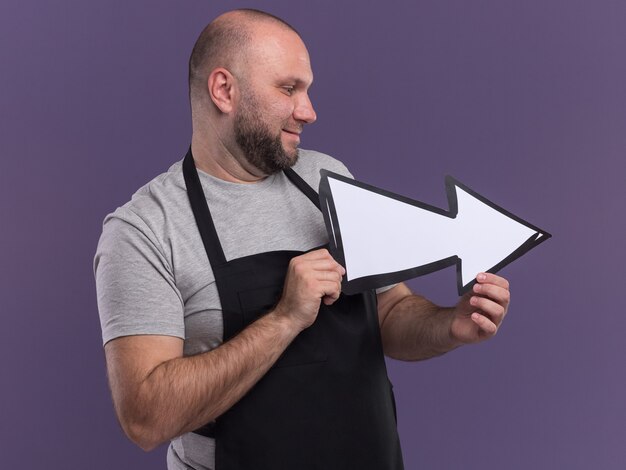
{"x": 413, "y": 328}
{"x": 158, "y": 394}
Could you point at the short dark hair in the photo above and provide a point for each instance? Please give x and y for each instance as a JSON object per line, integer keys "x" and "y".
{"x": 221, "y": 41}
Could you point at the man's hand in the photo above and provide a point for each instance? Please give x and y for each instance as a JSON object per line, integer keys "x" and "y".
{"x": 311, "y": 278}
{"x": 478, "y": 314}
{"x": 413, "y": 328}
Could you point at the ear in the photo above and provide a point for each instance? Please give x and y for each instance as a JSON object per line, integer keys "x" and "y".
{"x": 222, "y": 89}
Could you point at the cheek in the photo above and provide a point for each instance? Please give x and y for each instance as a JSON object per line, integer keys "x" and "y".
{"x": 281, "y": 109}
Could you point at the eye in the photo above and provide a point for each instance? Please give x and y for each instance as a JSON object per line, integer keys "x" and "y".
{"x": 289, "y": 89}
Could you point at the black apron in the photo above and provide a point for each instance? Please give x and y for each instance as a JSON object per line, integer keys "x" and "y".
{"x": 327, "y": 402}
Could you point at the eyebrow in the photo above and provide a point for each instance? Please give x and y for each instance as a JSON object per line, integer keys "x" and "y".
{"x": 297, "y": 81}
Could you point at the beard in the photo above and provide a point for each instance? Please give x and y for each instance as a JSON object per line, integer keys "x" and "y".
{"x": 260, "y": 148}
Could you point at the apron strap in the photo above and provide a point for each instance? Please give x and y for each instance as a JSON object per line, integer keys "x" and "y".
{"x": 302, "y": 185}
{"x": 201, "y": 212}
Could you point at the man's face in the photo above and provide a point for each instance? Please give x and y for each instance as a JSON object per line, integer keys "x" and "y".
{"x": 274, "y": 104}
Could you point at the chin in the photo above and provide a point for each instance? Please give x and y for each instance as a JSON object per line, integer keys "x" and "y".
{"x": 293, "y": 155}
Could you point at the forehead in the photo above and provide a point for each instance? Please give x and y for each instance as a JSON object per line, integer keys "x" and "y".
{"x": 278, "y": 53}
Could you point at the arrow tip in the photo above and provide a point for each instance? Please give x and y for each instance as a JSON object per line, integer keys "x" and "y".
{"x": 541, "y": 236}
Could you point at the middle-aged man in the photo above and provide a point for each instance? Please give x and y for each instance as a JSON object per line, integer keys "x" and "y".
{"x": 224, "y": 325}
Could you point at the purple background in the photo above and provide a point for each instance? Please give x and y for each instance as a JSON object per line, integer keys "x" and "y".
{"x": 524, "y": 101}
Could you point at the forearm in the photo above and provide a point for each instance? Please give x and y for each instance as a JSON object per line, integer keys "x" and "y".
{"x": 185, "y": 393}
{"x": 416, "y": 329}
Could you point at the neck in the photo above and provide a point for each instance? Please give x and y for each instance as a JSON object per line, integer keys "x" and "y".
{"x": 212, "y": 156}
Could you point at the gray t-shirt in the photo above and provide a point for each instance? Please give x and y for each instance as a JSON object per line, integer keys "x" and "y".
{"x": 153, "y": 275}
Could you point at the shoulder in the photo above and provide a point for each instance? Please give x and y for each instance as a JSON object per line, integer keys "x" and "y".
{"x": 151, "y": 204}
{"x": 151, "y": 211}
{"x": 310, "y": 162}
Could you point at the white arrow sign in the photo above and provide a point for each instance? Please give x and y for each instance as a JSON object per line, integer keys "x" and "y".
{"x": 382, "y": 238}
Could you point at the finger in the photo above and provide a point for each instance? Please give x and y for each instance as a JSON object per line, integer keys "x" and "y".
{"x": 492, "y": 309}
{"x": 322, "y": 253}
{"x": 331, "y": 291}
{"x": 484, "y": 324}
{"x": 497, "y": 293}
{"x": 491, "y": 278}
{"x": 327, "y": 265}
{"x": 332, "y": 276}
{"x": 304, "y": 269}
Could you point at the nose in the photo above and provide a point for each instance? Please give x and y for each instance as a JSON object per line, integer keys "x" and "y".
{"x": 304, "y": 111}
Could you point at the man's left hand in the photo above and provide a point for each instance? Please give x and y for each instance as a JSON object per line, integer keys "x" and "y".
{"x": 479, "y": 313}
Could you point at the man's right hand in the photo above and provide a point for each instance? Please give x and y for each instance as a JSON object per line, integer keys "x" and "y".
{"x": 311, "y": 278}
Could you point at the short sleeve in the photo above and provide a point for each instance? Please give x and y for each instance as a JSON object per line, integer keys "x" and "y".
{"x": 135, "y": 285}
{"x": 380, "y": 290}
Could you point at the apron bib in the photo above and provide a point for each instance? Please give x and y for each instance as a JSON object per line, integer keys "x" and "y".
{"x": 327, "y": 402}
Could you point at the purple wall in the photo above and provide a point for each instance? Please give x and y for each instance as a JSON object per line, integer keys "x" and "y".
{"x": 524, "y": 101}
